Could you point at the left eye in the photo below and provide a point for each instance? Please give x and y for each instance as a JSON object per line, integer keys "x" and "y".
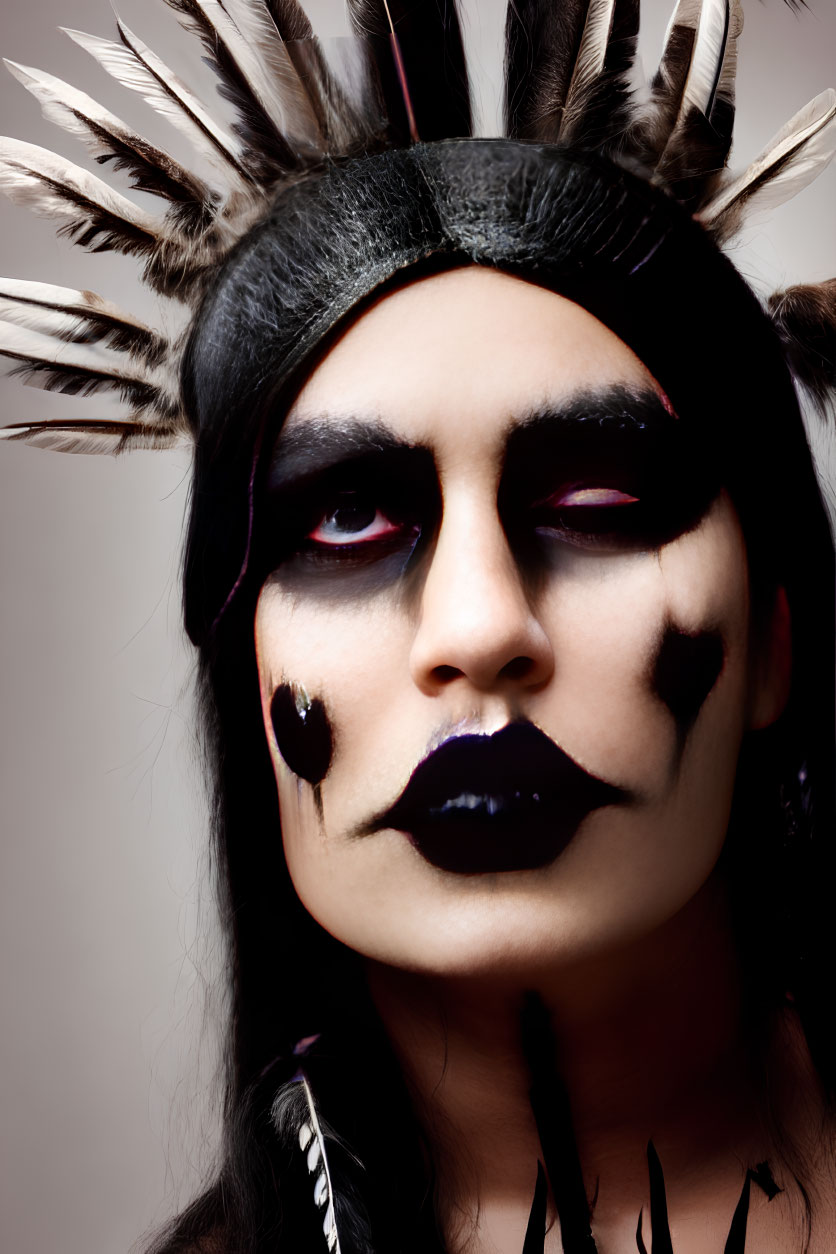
{"x": 353, "y": 519}
{"x": 594, "y": 498}
{"x": 591, "y": 515}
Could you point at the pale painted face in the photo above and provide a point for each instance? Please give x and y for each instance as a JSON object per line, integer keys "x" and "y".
{"x": 488, "y": 514}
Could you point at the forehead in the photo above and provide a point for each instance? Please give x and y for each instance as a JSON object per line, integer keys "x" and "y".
{"x": 459, "y": 356}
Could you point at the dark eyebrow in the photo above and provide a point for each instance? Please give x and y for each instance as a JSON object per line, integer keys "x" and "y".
{"x": 614, "y": 409}
{"x": 320, "y": 443}
{"x": 610, "y": 427}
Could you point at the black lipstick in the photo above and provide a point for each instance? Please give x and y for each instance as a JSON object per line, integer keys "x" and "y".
{"x": 511, "y": 801}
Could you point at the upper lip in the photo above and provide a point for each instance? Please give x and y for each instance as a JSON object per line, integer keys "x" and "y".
{"x": 515, "y": 768}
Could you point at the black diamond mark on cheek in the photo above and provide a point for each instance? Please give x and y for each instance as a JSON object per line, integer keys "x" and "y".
{"x": 684, "y": 672}
{"x": 303, "y": 733}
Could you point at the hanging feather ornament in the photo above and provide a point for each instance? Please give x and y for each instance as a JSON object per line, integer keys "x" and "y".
{"x": 312, "y": 1144}
{"x": 295, "y": 1117}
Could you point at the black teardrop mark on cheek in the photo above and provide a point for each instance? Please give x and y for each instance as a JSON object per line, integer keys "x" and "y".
{"x": 685, "y": 670}
{"x": 303, "y": 733}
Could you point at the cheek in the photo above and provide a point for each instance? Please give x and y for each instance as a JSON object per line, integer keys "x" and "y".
{"x": 331, "y": 677}
{"x": 648, "y": 648}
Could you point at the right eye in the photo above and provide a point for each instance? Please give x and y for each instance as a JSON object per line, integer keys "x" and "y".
{"x": 352, "y": 519}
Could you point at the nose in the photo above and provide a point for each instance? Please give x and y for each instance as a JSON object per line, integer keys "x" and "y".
{"x": 476, "y": 619}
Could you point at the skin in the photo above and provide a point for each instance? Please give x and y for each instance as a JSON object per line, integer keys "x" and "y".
{"x": 626, "y": 934}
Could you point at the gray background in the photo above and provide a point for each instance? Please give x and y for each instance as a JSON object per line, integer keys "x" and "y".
{"x": 108, "y": 946}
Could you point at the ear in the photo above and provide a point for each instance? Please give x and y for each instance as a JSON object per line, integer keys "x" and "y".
{"x": 771, "y": 672}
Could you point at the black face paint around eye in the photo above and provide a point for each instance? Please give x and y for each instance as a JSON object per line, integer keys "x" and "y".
{"x": 612, "y": 471}
{"x": 346, "y": 506}
{"x": 684, "y": 671}
{"x": 303, "y": 732}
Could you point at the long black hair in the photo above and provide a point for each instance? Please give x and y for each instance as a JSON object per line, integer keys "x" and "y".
{"x": 600, "y": 235}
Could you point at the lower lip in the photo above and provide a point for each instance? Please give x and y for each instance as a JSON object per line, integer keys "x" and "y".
{"x": 522, "y": 837}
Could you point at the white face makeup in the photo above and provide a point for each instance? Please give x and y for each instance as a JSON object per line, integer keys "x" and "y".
{"x": 488, "y": 515}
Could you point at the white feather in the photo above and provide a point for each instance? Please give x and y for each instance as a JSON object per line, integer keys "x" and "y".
{"x": 258, "y": 29}
{"x": 589, "y": 63}
{"x": 34, "y": 177}
{"x": 259, "y": 82}
{"x": 707, "y": 58}
{"x": 312, "y": 1142}
{"x": 134, "y": 65}
{"x": 712, "y": 67}
{"x": 802, "y": 149}
{"x": 25, "y": 344}
{"x": 93, "y": 437}
{"x": 726, "y": 84}
{"x": 51, "y": 294}
{"x": 686, "y": 13}
{"x": 73, "y": 109}
{"x": 116, "y": 369}
{"x": 64, "y": 311}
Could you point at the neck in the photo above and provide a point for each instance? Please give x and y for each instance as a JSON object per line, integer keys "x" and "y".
{"x": 650, "y": 1044}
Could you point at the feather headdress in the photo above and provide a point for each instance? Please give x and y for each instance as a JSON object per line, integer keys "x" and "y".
{"x": 570, "y": 70}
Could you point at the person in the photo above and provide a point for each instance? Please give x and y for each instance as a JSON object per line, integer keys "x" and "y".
{"x": 513, "y": 596}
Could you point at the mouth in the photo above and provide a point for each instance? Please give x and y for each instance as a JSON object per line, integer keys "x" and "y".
{"x": 511, "y": 801}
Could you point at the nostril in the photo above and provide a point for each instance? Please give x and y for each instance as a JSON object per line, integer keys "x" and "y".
{"x": 446, "y": 673}
{"x": 517, "y": 668}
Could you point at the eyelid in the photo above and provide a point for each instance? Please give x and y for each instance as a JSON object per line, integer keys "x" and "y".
{"x": 591, "y": 497}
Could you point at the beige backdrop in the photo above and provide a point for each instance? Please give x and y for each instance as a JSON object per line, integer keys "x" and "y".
{"x": 108, "y": 1039}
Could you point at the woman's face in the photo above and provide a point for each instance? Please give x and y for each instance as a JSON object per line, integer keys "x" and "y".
{"x": 489, "y": 520}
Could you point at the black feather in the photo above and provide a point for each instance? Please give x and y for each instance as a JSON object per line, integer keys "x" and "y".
{"x": 662, "y": 1243}
{"x": 736, "y": 1240}
{"x": 640, "y": 1245}
{"x": 268, "y": 155}
{"x": 692, "y": 169}
{"x": 607, "y": 111}
{"x": 151, "y": 69}
{"x": 97, "y": 327}
{"x": 152, "y": 170}
{"x": 805, "y": 318}
{"x": 346, "y": 127}
{"x": 430, "y": 41}
{"x": 290, "y": 19}
{"x": 541, "y": 48}
{"x": 76, "y": 381}
{"x": 552, "y": 1113}
{"x": 101, "y": 232}
{"x": 94, "y": 436}
{"x": 543, "y": 42}
{"x": 762, "y": 1176}
{"x": 536, "y": 1228}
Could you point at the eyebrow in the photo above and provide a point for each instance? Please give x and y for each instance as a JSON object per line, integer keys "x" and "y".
{"x": 322, "y": 443}
{"x": 615, "y": 408}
